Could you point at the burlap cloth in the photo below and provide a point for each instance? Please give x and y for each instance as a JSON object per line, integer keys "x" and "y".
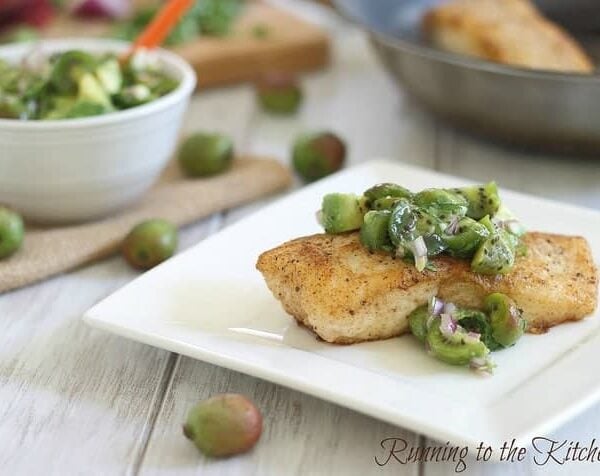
{"x": 49, "y": 251}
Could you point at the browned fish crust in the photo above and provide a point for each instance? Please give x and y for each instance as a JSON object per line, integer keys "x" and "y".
{"x": 512, "y": 32}
{"x": 334, "y": 286}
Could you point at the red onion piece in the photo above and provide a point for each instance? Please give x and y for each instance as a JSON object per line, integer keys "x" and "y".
{"x": 449, "y": 308}
{"x": 428, "y": 348}
{"x": 101, "y": 8}
{"x": 419, "y": 250}
{"x": 452, "y": 228}
{"x": 478, "y": 362}
{"x": 482, "y": 365}
{"x": 421, "y": 263}
{"x": 435, "y": 306}
{"x": 514, "y": 227}
{"x": 35, "y": 60}
{"x": 419, "y": 246}
{"x": 447, "y": 325}
{"x": 472, "y": 337}
{"x": 429, "y": 321}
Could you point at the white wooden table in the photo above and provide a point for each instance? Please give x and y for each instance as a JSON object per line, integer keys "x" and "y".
{"x": 75, "y": 400}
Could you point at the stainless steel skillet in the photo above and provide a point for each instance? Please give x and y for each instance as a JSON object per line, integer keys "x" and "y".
{"x": 543, "y": 110}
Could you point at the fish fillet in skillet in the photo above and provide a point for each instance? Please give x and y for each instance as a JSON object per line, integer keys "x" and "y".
{"x": 345, "y": 294}
{"x": 512, "y": 32}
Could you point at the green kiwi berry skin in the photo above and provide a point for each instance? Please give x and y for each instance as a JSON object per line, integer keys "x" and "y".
{"x": 374, "y": 230}
{"x": 507, "y": 323}
{"x": 429, "y": 226}
{"x": 476, "y": 321}
{"x": 318, "y": 154}
{"x": 469, "y": 235}
{"x": 441, "y": 202}
{"x": 385, "y": 203}
{"x": 496, "y": 255}
{"x": 224, "y": 425}
{"x": 386, "y": 190}
{"x": 482, "y": 199}
{"x": 417, "y": 322}
{"x": 402, "y": 225}
{"x": 12, "y": 232}
{"x": 204, "y": 154}
{"x": 150, "y": 243}
{"x": 454, "y": 350}
{"x": 279, "y": 94}
{"x": 341, "y": 212}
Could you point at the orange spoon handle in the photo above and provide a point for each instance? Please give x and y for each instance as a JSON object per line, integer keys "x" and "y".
{"x": 162, "y": 24}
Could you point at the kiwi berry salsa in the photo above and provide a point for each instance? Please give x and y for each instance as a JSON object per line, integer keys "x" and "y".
{"x": 468, "y": 223}
{"x": 74, "y": 84}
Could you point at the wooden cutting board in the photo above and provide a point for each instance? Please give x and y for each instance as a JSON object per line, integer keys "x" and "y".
{"x": 290, "y": 45}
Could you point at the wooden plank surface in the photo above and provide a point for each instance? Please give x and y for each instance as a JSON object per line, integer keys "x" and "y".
{"x": 302, "y": 435}
{"x": 289, "y": 45}
{"x": 72, "y": 397}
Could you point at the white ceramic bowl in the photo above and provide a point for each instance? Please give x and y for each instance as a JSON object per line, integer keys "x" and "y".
{"x": 80, "y": 169}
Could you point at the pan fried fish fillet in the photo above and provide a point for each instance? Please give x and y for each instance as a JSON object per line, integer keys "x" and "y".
{"x": 512, "y": 32}
{"x": 334, "y": 286}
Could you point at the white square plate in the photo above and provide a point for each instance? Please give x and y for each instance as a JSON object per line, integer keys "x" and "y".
{"x": 210, "y": 303}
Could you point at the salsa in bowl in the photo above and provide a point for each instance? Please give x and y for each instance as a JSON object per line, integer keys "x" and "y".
{"x": 86, "y": 154}
{"x": 77, "y": 83}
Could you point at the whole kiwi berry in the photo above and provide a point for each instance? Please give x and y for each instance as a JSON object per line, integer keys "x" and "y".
{"x": 150, "y": 243}
{"x": 318, "y": 154}
{"x": 279, "y": 94}
{"x": 12, "y": 232}
{"x": 224, "y": 425}
{"x": 204, "y": 154}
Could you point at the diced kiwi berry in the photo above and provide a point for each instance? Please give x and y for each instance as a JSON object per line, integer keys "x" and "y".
{"x": 91, "y": 90}
{"x": 507, "y": 323}
{"x": 496, "y": 255}
{"x": 417, "y": 322}
{"x": 441, "y": 202}
{"x": 341, "y": 212}
{"x": 466, "y": 239}
{"x": 383, "y": 191}
{"x": 476, "y": 321}
{"x": 483, "y": 200}
{"x": 374, "y": 230}
{"x": 454, "y": 349}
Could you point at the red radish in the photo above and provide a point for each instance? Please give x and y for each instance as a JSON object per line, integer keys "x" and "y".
{"x": 101, "y": 8}
{"x": 39, "y": 14}
{"x": 33, "y": 12}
